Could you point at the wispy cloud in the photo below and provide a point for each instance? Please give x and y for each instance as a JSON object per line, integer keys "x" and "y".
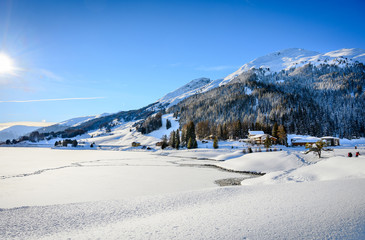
{"x": 50, "y": 75}
{"x": 215, "y": 68}
{"x": 50, "y": 100}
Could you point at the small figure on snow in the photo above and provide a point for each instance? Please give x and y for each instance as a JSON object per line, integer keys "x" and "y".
{"x": 357, "y": 154}
{"x": 349, "y": 154}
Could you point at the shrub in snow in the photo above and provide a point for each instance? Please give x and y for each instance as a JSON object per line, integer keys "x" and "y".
{"x": 316, "y": 148}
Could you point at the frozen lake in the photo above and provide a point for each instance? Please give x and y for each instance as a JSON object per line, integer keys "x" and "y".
{"x": 92, "y": 194}
{"x": 43, "y": 176}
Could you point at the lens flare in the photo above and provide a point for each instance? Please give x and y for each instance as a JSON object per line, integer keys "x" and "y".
{"x": 6, "y": 64}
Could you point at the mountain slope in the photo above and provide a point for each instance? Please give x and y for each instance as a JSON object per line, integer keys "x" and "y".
{"x": 191, "y": 88}
{"x": 73, "y": 122}
{"x": 297, "y": 57}
{"x": 316, "y": 100}
{"x": 273, "y": 62}
{"x": 13, "y": 130}
{"x": 306, "y": 91}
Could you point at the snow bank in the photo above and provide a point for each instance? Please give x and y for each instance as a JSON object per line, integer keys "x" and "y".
{"x": 263, "y": 162}
{"x": 311, "y": 210}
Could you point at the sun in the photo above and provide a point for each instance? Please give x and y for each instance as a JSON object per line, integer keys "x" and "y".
{"x": 6, "y": 64}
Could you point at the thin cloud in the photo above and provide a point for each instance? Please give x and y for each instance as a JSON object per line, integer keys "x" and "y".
{"x": 50, "y": 100}
{"x": 50, "y": 75}
{"x": 215, "y": 68}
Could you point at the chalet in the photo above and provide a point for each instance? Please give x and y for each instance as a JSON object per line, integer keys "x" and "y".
{"x": 302, "y": 141}
{"x": 254, "y": 133}
{"x": 261, "y": 138}
{"x": 331, "y": 141}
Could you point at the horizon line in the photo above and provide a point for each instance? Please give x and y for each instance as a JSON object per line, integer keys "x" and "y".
{"x": 50, "y": 100}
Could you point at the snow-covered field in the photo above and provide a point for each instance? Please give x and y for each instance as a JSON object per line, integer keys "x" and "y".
{"x": 97, "y": 194}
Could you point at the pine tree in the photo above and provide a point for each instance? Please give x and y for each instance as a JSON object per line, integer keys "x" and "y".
{"x": 74, "y": 143}
{"x": 267, "y": 142}
{"x": 238, "y": 129}
{"x": 177, "y": 139}
{"x": 190, "y": 143}
{"x": 164, "y": 142}
{"x": 190, "y": 134}
{"x": 282, "y": 135}
{"x": 274, "y": 132}
{"x": 195, "y": 144}
{"x": 172, "y": 139}
{"x": 215, "y": 143}
{"x": 168, "y": 123}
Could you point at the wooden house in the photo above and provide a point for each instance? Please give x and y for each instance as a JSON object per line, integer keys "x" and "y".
{"x": 261, "y": 138}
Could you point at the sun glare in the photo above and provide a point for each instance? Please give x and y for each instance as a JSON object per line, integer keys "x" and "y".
{"x": 6, "y": 64}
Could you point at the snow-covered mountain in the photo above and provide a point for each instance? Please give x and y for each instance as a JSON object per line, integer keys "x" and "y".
{"x": 273, "y": 62}
{"x": 193, "y": 87}
{"x": 13, "y": 130}
{"x": 297, "y": 57}
{"x": 274, "y": 68}
{"x": 73, "y": 122}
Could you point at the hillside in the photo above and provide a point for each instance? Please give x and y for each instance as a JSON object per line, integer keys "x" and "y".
{"x": 310, "y": 93}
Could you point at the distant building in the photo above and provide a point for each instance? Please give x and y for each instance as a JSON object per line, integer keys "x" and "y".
{"x": 254, "y": 133}
{"x": 302, "y": 141}
{"x": 259, "y": 137}
{"x": 331, "y": 141}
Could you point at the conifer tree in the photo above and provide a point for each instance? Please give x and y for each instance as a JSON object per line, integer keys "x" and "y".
{"x": 215, "y": 143}
{"x": 164, "y": 142}
{"x": 267, "y": 142}
{"x": 274, "y": 132}
{"x": 190, "y": 134}
{"x": 282, "y": 135}
{"x": 172, "y": 139}
{"x": 177, "y": 139}
{"x": 190, "y": 143}
{"x": 168, "y": 123}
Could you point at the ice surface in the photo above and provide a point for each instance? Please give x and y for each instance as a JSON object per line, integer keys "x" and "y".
{"x": 98, "y": 194}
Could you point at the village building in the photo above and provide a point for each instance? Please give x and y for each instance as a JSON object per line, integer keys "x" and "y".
{"x": 302, "y": 141}
{"x": 259, "y": 137}
{"x": 331, "y": 141}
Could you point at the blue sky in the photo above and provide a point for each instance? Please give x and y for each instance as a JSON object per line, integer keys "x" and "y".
{"x": 110, "y": 56}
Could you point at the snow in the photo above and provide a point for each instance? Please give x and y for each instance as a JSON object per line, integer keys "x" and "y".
{"x": 165, "y": 194}
{"x": 73, "y": 122}
{"x": 264, "y": 162}
{"x": 42, "y": 176}
{"x": 193, "y": 87}
{"x": 273, "y": 62}
{"x": 255, "y": 132}
{"x": 297, "y": 57}
{"x": 14, "y": 130}
{"x": 301, "y": 138}
{"x": 163, "y": 131}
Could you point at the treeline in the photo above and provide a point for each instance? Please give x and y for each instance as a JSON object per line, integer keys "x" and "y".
{"x": 151, "y": 124}
{"x": 317, "y": 101}
{"x": 205, "y": 130}
{"x": 65, "y": 142}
